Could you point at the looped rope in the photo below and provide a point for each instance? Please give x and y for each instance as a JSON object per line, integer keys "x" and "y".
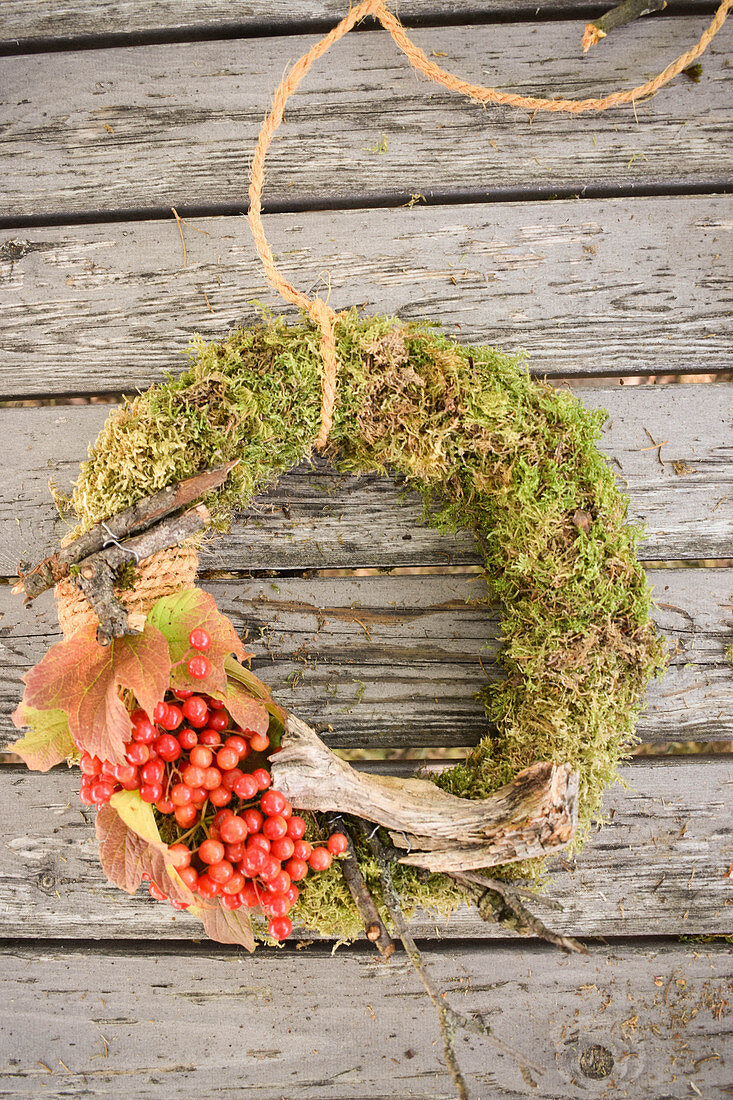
{"x": 325, "y": 317}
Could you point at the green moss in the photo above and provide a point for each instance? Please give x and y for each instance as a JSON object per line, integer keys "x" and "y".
{"x": 490, "y": 449}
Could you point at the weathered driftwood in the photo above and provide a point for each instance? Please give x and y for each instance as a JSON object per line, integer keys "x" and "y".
{"x": 141, "y": 516}
{"x": 535, "y": 813}
{"x": 97, "y": 573}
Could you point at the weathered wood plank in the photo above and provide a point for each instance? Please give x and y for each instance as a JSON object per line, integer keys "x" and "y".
{"x": 630, "y": 1020}
{"x": 110, "y": 307}
{"x": 316, "y": 519}
{"x": 25, "y": 20}
{"x": 396, "y": 661}
{"x": 174, "y": 124}
{"x": 658, "y": 867}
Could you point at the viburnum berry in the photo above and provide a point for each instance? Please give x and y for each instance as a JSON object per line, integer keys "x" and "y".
{"x": 283, "y": 847}
{"x": 153, "y": 771}
{"x": 196, "y": 711}
{"x": 157, "y": 893}
{"x": 185, "y": 815}
{"x": 233, "y": 830}
{"x": 165, "y": 806}
{"x": 220, "y": 796}
{"x": 245, "y": 788}
{"x": 272, "y": 802}
{"x": 252, "y": 819}
{"x": 199, "y": 639}
{"x": 151, "y": 792}
{"x": 221, "y": 871}
{"x": 296, "y": 868}
{"x": 257, "y": 840}
{"x": 230, "y": 777}
{"x": 187, "y": 739}
{"x": 275, "y": 827}
{"x": 137, "y": 753}
{"x": 199, "y": 667}
{"x": 276, "y": 905}
{"x": 145, "y": 732}
{"x": 167, "y": 747}
{"x": 320, "y": 859}
{"x": 189, "y": 876}
{"x": 302, "y": 849}
{"x": 259, "y": 742}
{"x": 280, "y": 928}
{"x": 296, "y": 827}
{"x": 209, "y": 737}
{"x": 207, "y": 887}
{"x": 230, "y": 901}
{"x": 201, "y": 756}
{"x": 172, "y": 718}
{"x": 159, "y": 711}
{"x": 211, "y": 851}
{"x": 226, "y": 759}
{"x": 180, "y": 794}
{"x": 262, "y": 778}
{"x": 280, "y": 883}
{"x": 337, "y": 843}
{"x": 218, "y": 721}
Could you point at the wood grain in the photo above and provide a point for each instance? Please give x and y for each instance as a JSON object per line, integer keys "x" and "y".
{"x": 631, "y": 1020}
{"x": 110, "y": 307}
{"x": 317, "y": 519}
{"x": 384, "y": 662}
{"x": 657, "y": 868}
{"x": 26, "y": 20}
{"x": 174, "y": 125}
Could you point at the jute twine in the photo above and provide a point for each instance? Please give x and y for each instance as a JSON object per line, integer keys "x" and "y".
{"x": 159, "y": 575}
{"x": 175, "y": 569}
{"x": 319, "y": 310}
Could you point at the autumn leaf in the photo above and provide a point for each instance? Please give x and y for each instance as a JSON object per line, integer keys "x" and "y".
{"x": 48, "y": 741}
{"x": 227, "y": 926}
{"x": 82, "y": 678}
{"x": 246, "y": 711}
{"x": 176, "y": 616}
{"x": 130, "y": 846}
{"x": 238, "y": 674}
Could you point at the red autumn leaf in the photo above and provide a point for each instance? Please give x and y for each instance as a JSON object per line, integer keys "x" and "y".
{"x": 126, "y": 856}
{"x": 176, "y": 616}
{"x": 246, "y": 711}
{"x": 82, "y": 678}
{"x": 48, "y": 741}
{"x": 227, "y": 926}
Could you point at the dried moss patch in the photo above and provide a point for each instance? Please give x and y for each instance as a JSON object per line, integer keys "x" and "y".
{"x": 490, "y": 449}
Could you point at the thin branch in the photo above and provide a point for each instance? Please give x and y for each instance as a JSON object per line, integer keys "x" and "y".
{"x": 96, "y": 574}
{"x": 374, "y": 928}
{"x": 450, "y": 1020}
{"x": 619, "y": 17}
{"x": 139, "y": 517}
{"x": 498, "y": 901}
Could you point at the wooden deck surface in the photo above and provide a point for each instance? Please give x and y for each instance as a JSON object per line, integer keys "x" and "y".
{"x": 602, "y": 247}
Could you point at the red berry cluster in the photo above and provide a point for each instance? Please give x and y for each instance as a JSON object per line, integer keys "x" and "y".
{"x": 186, "y": 762}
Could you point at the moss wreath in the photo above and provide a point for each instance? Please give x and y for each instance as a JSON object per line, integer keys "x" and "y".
{"x": 511, "y": 459}
{"x": 491, "y": 450}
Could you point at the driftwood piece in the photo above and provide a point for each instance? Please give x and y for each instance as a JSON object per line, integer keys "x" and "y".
{"x": 139, "y": 517}
{"x": 535, "y": 813}
{"x": 96, "y": 575}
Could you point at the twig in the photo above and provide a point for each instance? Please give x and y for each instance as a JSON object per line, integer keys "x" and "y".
{"x": 619, "y": 17}
{"x": 375, "y": 931}
{"x": 507, "y": 907}
{"x": 96, "y": 575}
{"x": 179, "y": 222}
{"x": 146, "y": 512}
{"x": 449, "y": 1019}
